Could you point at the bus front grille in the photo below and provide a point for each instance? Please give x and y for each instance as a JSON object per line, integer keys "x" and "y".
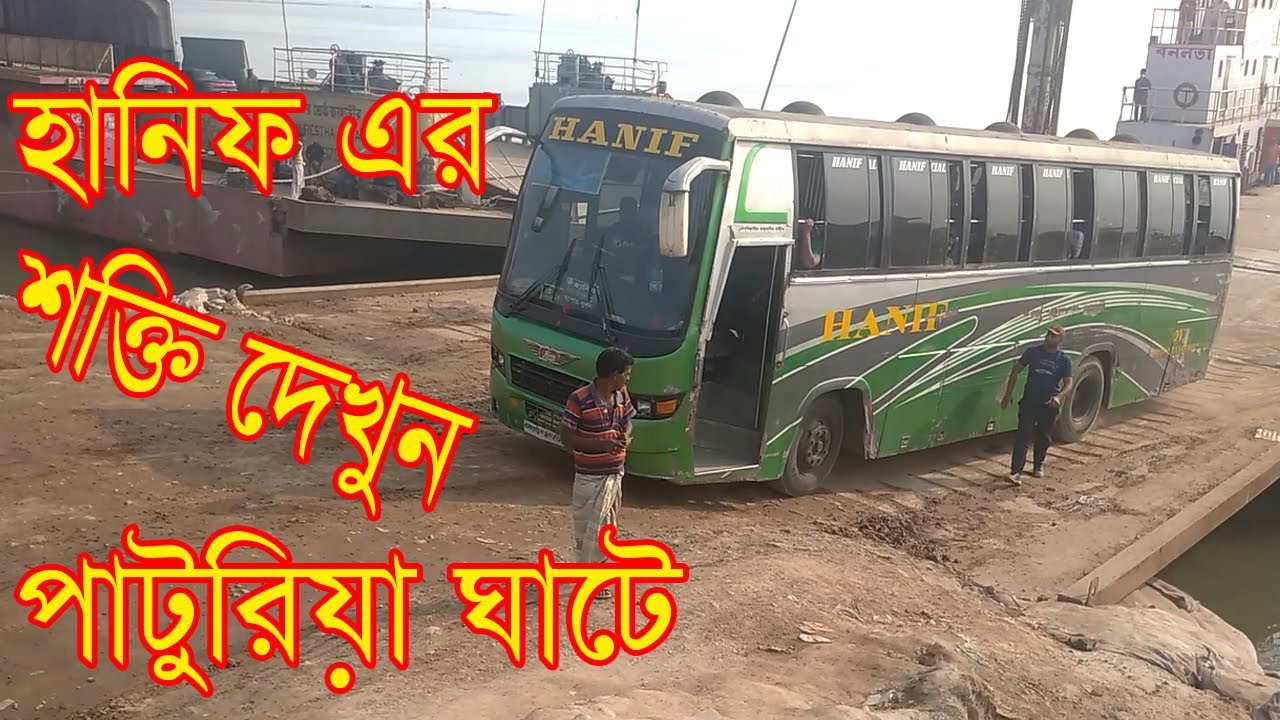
{"x": 543, "y": 382}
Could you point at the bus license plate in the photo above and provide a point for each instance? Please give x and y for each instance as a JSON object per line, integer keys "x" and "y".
{"x": 542, "y": 433}
{"x": 537, "y": 422}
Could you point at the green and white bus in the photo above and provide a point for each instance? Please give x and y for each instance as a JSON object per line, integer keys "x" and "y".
{"x": 668, "y": 228}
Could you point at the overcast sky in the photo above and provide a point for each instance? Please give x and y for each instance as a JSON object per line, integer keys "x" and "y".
{"x": 951, "y": 59}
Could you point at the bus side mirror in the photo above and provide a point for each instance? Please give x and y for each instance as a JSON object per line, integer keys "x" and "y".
{"x": 673, "y": 225}
{"x": 673, "y": 213}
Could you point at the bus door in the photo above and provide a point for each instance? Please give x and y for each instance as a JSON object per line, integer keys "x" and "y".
{"x": 737, "y": 371}
{"x": 924, "y": 407}
{"x": 1188, "y": 348}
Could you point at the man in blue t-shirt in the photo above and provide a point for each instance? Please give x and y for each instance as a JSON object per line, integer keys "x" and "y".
{"x": 1048, "y": 381}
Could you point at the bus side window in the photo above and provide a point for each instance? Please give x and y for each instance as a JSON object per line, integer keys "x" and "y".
{"x": 1052, "y": 217}
{"x": 940, "y": 213}
{"x": 1135, "y": 214}
{"x": 1004, "y": 214}
{"x": 957, "y": 192}
{"x": 1080, "y": 237}
{"x": 855, "y": 230}
{"x": 1204, "y": 213}
{"x": 1164, "y": 237}
{"x": 911, "y": 227}
{"x": 1109, "y": 214}
{"x": 1187, "y": 202}
{"x": 1177, "y": 243}
{"x": 978, "y": 216}
{"x": 1222, "y": 198}
{"x": 811, "y": 201}
{"x": 1026, "y": 227}
{"x": 997, "y": 214}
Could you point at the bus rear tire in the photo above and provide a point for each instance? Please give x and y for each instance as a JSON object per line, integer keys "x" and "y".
{"x": 1081, "y": 407}
{"x": 815, "y": 449}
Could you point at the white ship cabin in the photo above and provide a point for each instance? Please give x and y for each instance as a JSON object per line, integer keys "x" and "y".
{"x": 1211, "y": 81}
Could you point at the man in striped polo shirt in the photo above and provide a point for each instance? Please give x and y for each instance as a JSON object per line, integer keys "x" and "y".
{"x": 597, "y": 428}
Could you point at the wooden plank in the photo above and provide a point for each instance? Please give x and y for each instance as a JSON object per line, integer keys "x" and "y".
{"x": 1130, "y": 568}
{"x": 282, "y": 295}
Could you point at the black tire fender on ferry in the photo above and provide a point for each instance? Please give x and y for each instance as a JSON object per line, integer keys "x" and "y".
{"x": 1081, "y": 407}
{"x": 815, "y": 448}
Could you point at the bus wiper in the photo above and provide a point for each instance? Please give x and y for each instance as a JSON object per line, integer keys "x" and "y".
{"x": 556, "y": 272}
{"x": 606, "y": 304}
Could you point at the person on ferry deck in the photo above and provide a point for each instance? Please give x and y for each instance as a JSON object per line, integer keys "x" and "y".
{"x": 1142, "y": 97}
{"x": 1187, "y": 11}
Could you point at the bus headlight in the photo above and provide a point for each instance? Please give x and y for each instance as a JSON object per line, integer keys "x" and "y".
{"x": 499, "y": 360}
{"x": 655, "y": 408}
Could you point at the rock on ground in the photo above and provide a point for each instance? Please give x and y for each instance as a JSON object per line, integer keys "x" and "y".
{"x": 1169, "y": 630}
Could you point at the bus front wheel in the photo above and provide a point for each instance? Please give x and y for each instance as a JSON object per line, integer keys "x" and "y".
{"x": 1083, "y": 404}
{"x": 815, "y": 449}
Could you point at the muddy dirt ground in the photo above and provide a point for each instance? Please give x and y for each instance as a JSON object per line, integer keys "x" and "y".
{"x": 890, "y": 563}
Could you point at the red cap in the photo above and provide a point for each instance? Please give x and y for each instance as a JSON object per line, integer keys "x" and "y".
{"x": 1056, "y": 330}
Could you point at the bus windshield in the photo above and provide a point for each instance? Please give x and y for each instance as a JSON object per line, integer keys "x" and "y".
{"x": 586, "y": 242}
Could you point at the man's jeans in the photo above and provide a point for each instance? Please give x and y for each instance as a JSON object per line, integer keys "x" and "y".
{"x": 1035, "y": 422}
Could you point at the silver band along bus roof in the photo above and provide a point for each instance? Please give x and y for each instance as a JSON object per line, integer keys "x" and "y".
{"x": 766, "y": 126}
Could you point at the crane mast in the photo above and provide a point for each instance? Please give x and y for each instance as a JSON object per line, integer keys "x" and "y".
{"x": 1043, "y": 27}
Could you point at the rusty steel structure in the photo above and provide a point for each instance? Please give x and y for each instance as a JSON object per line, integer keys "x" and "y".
{"x": 1036, "y": 94}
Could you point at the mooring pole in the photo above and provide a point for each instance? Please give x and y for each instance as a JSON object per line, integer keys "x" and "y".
{"x": 781, "y": 44}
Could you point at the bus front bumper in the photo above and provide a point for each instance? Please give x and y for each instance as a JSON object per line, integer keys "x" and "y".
{"x": 659, "y": 448}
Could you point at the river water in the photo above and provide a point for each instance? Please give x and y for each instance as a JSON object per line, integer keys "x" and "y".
{"x": 1233, "y": 573}
{"x": 69, "y": 249}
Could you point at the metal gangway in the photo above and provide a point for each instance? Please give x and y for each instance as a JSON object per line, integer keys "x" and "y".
{"x": 358, "y": 71}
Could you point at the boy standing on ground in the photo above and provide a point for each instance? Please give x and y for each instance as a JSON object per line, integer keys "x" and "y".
{"x": 597, "y": 428}
{"x": 1048, "y": 368}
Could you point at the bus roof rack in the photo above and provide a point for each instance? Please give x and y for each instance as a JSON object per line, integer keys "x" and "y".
{"x": 803, "y": 107}
{"x": 720, "y": 97}
{"x": 1082, "y": 134}
{"x": 915, "y": 118}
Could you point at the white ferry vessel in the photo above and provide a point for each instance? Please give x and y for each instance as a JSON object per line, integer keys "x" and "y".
{"x": 1212, "y": 82}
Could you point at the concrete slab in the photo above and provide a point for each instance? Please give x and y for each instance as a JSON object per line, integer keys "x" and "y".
{"x": 1125, "y": 572}
{"x": 283, "y": 295}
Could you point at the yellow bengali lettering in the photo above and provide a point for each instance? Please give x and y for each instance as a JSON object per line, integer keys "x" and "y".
{"x": 458, "y": 139}
{"x": 259, "y": 131}
{"x": 59, "y": 127}
{"x": 163, "y": 573}
{"x": 494, "y": 600}
{"x": 370, "y": 418}
{"x": 310, "y": 399}
{"x": 146, "y": 330}
{"x": 390, "y": 132}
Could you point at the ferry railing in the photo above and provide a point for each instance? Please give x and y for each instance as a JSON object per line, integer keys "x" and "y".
{"x": 368, "y": 72}
{"x": 1205, "y": 26}
{"x": 55, "y": 53}
{"x": 1185, "y": 105}
{"x": 599, "y": 72}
